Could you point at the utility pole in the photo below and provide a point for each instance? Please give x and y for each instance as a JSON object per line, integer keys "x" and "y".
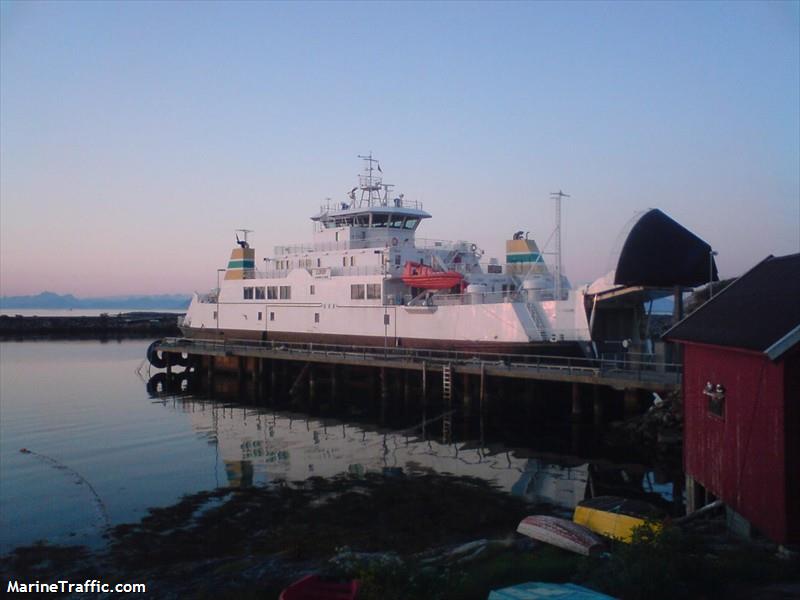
{"x": 557, "y": 196}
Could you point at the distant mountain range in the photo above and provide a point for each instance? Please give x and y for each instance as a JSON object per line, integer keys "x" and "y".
{"x": 51, "y": 300}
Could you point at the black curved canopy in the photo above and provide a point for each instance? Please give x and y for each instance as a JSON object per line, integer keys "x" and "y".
{"x": 660, "y": 252}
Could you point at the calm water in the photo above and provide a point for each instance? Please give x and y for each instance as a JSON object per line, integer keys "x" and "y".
{"x": 102, "y": 450}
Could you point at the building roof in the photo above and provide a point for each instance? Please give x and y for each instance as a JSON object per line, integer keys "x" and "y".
{"x": 759, "y": 311}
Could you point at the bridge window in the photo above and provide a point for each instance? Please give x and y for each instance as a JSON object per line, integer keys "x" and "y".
{"x": 380, "y": 220}
{"x": 411, "y": 223}
{"x": 373, "y": 291}
{"x": 247, "y": 293}
{"x": 285, "y": 292}
{"x": 260, "y": 293}
{"x": 396, "y": 221}
{"x": 272, "y": 292}
{"x": 357, "y": 291}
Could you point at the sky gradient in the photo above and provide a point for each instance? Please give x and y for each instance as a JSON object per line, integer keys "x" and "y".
{"x": 135, "y": 137}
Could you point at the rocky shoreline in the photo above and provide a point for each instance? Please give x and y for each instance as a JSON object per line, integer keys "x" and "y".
{"x": 404, "y": 536}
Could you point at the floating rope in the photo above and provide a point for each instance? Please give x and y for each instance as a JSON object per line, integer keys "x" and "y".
{"x": 99, "y": 505}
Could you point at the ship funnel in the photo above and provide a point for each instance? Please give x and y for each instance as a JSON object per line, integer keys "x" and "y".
{"x": 523, "y": 257}
{"x": 242, "y": 263}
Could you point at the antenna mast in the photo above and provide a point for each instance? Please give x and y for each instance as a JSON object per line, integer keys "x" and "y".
{"x": 557, "y": 196}
{"x": 370, "y": 184}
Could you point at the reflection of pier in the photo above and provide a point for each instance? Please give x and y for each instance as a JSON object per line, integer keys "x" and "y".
{"x": 256, "y": 445}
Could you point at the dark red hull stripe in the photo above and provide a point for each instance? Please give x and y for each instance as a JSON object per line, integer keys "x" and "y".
{"x": 557, "y": 348}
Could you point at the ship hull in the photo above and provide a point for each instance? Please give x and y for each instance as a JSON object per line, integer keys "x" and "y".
{"x": 562, "y": 348}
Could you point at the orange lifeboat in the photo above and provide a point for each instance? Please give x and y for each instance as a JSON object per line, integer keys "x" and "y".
{"x": 422, "y": 276}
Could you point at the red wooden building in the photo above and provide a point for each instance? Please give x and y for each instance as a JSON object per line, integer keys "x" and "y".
{"x": 741, "y": 389}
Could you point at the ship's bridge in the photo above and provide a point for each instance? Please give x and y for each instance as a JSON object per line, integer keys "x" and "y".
{"x": 400, "y": 214}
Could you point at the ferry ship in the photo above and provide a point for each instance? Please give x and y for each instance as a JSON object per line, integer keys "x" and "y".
{"x": 367, "y": 279}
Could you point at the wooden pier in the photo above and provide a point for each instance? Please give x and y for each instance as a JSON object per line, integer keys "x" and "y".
{"x": 621, "y": 372}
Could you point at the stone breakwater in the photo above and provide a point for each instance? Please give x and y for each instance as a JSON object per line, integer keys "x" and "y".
{"x": 123, "y": 325}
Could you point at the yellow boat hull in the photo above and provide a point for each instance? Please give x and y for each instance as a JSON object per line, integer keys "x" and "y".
{"x": 613, "y": 525}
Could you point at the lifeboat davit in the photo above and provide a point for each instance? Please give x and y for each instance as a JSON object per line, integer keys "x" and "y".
{"x": 422, "y": 276}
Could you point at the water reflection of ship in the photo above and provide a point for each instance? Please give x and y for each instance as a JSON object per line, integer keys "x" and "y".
{"x": 557, "y": 484}
{"x": 258, "y": 447}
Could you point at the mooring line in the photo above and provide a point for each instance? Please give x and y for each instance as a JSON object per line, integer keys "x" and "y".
{"x": 80, "y": 479}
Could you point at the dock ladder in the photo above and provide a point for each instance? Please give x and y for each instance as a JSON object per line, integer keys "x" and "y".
{"x": 447, "y": 400}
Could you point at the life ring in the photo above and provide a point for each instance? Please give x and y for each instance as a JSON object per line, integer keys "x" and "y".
{"x": 395, "y": 241}
{"x": 159, "y": 361}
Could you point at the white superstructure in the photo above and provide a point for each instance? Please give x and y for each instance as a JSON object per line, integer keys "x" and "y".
{"x": 366, "y": 279}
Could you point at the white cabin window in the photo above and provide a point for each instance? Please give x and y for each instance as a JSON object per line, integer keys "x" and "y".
{"x": 215, "y": 315}
{"x": 352, "y": 261}
{"x": 357, "y": 291}
{"x": 319, "y": 262}
{"x": 373, "y": 291}
{"x": 271, "y": 316}
{"x": 260, "y": 316}
{"x": 344, "y": 261}
{"x": 272, "y": 292}
{"x": 316, "y": 317}
{"x": 285, "y": 292}
{"x": 397, "y": 260}
{"x": 311, "y": 290}
{"x": 247, "y": 293}
{"x": 260, "y": 293}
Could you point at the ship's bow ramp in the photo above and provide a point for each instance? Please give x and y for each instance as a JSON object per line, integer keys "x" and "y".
{"x": 660, "y": 252}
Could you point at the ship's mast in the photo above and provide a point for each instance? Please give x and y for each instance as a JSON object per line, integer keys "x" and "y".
{"x": 369, "y": 183}
{"x": 557, "y": 196}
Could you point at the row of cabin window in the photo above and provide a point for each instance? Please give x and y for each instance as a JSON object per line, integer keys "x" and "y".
{"x": 393, "y": 221}
{"x": 271, "y": 292}
{"x": 308, "y": 263}
{"x": 303, "y": 263}
{"x": 373, "y": 291}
